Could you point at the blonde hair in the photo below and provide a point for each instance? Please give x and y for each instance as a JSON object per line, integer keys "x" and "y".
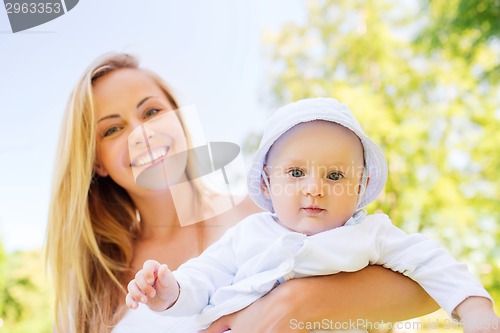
{"x": 92, "y": 221}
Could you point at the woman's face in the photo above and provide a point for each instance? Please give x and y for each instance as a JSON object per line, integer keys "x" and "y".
{"x": 135, "y": 129}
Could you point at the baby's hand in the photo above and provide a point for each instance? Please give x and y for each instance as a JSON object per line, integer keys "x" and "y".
{"x": 477, "y": 316}
{"x": 154, "y": 285}
{"x": 482, "y": 323}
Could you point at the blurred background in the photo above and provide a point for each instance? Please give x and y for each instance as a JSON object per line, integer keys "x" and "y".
{"x": 422, "y": 77}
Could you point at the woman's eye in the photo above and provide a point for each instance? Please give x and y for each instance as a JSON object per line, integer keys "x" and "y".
{"x": 151, "y": 113}
{"x": 111, "y": 131}
{"x": 334, "y": 176}
{"x": 296, "y": 173}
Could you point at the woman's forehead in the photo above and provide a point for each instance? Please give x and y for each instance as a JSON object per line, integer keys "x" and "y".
{"x": 124, "y": 79}
{"x": 124, "y": 89}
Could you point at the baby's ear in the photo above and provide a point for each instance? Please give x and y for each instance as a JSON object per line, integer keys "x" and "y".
{"x": 263, "y": 183}
{"x": 100, "y": 169}
{"x": 366, "y": 186}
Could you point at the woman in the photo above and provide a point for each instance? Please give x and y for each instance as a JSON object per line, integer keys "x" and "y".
{"x": 103, "y": 225}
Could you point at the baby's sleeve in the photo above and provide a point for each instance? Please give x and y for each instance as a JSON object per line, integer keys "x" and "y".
{"x": 199, "y": 277}
{"x": 446, "y": 280}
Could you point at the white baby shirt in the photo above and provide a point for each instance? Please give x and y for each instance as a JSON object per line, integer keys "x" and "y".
{"x": 257, "y": 254}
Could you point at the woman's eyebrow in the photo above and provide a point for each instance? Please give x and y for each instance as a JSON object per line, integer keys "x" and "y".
{"x": 116, "y": 115}
{"x": 111, "y": 116}
{"x": 144, "y": 100}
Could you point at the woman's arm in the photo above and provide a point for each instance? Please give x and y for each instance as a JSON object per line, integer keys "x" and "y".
{"x": 374, "y": 294}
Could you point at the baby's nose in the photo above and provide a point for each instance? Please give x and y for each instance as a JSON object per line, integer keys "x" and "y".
{"x": 313, "y": 186}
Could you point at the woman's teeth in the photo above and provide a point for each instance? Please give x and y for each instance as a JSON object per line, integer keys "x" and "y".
{"x": 151, "y": 156}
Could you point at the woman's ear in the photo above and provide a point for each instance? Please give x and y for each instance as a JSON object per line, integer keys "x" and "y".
{"x": 264, "y": 182}
{"x": 100, "y": 169}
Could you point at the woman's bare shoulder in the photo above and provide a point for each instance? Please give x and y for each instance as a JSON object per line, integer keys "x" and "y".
{"x": 217, "y": 225}
{"x": 230, "y": 216}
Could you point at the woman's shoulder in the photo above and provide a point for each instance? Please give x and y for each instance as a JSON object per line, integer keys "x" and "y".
{"x": 217, "y": 225}
{"x": 232, "y": 215}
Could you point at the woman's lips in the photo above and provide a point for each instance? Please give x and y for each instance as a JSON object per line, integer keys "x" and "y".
{"x": 150, "y": 156}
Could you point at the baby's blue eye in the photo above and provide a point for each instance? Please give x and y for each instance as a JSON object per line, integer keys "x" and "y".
{"x": 334, "y": 175}
{"x": 151, "y": 112}
{"x": 296, "y": 173}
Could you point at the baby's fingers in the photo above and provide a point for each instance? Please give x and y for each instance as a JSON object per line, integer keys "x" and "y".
{"x": 166, "y": 286}
{"x": 131, "y": 303}
{"x": 150, "y": 270}
{"x": 134, "y": 296}
{"x": 143, "y": 285}
{"x": 165, "y": 277}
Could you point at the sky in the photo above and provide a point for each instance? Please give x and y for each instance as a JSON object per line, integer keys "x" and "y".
{"x": 210, "y": 52}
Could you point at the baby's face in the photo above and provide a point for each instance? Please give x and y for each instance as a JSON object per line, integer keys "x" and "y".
{"x": 314, "y": 171}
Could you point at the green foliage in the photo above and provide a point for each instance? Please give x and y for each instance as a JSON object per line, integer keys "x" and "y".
{"x": 464, "y": 28}
{"x": 24, "y": 296}
{"x": 432, "y": 111}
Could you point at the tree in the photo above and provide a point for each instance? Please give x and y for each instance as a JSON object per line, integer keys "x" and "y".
{"x": 10, "y": 307}
{"x": 436, "y": 119}
{"x": 466, "y": 29}
{"x": 24, "y": 296}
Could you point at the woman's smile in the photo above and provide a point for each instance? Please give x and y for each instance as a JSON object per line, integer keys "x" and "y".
{"x": 150, "y": 157}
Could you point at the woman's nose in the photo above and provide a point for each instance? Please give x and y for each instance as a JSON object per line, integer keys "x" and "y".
{"x": 141, "y": 135}
{"x": 313, "y": 186}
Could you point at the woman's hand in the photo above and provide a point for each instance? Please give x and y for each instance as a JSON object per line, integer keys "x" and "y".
{"x": 272, "y": 313}
{"x": 374, "y": 294}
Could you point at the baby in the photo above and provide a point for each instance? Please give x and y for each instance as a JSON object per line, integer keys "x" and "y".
{"x": 314, "y": 172}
